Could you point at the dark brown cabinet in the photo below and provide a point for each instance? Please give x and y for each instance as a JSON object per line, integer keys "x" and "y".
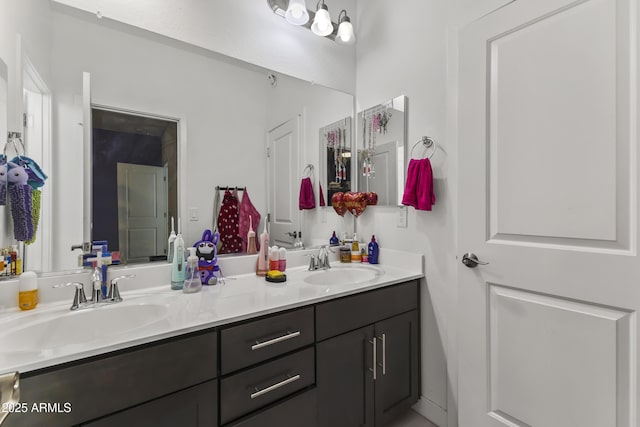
{"x": 350, "y": 361}
{"x": 194, "y": 407}
{"x": 368, "y": 376}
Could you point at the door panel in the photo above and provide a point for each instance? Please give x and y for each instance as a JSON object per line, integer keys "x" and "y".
{"x": 344, "y": 382}
{"x": 398, "y": 374}
{"x": 284, "y": 182}
{"x": 548, "y": 190}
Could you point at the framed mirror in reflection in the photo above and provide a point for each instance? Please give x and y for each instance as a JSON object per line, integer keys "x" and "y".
{"x": 221, "y": 109}
{"x": 382, "y": 147}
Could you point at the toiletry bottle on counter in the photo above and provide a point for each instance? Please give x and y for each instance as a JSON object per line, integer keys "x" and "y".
{"x": 192, "y": 281}
{"x": 13, "y": 254}
{"x": 282, "y": 262}
{"x": 334, "y": 241}
{"x": 170, "y": 243}
{"x": 373, "y": 251}
{"x": 356, "y": 256}
{"x": 28, "y": 290}
{"x": 262, "y": 264}
{"x": 274, "y": 258}
{"x": 251, "y": 238}
{"x": 177, "y": 267}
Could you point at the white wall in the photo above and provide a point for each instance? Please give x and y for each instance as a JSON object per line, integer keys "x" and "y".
{"x": 410, "y": 48}
{"x": 222, "y": 105}
{"x": 244, "y": 29}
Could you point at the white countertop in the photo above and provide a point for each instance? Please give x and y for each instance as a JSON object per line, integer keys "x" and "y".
{"x": 164, "y": 313}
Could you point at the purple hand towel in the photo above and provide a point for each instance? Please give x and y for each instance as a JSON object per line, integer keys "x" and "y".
{"x": 418, "y": 190}
{"x": 307, "y": 198}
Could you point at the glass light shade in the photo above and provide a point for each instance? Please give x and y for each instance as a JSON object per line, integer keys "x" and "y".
{"x": 345, "y": 33}
{"x": 296, "y": 13}
{"x": 322, "y": 22}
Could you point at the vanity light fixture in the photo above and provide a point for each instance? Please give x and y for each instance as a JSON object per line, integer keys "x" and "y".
{"x": 345, "y": 30}
{"x": 296, "y": 12}
{"x": 322, "y": 25}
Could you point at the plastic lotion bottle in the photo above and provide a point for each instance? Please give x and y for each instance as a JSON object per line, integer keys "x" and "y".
{"x": 373, "y": 251}
{"x": 356, "y": 256}
{"x": 262, "y": 265}
{"x": 177, "y": 267}
{"x": 251, "y": 238}
{"x": 192, "y": 281}
{"x": 171, "y": 242}
{"x": 28, "y": 290}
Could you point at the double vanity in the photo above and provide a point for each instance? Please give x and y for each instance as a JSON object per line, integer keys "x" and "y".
{"x": 336, "y": 347}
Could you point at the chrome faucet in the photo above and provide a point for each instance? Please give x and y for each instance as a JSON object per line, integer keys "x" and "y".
{"x": 320, "y": 261}
{"x": 80, "y": 299}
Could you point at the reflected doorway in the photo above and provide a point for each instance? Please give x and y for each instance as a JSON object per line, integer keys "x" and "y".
{"x": 134, "y": 183}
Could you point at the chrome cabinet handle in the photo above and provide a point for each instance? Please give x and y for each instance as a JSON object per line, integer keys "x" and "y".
{"x": 285, "y": 337}
{"x": 471, "y": 260}
{"x": 374, "y": 343}
{"x": 289, "y": 380}
{"x": 384, "y": 354}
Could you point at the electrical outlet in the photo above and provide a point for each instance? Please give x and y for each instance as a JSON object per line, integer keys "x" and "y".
{"x": 402, "y": 217}
{"x": 194, "y": 214}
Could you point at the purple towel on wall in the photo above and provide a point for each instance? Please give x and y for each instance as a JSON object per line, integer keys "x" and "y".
{"x": 418, "y": 190}
{"x": 307, "y": 198}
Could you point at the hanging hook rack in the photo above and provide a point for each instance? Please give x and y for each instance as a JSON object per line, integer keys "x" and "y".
{"x": 428, "y": 143}
{"x": 218, "y": 188}
{"x": 11, "y": 139}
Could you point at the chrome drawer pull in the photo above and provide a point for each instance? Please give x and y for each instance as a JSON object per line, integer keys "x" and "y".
{"x": 289, "y": 380}
{"x": 285, "y": 337}
{"x": 374, "y": 343}
{"x": 384, "y": 354}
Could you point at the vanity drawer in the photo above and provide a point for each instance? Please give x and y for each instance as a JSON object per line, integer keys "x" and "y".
{"x": 353, "y": 312}
{"x": 256, "y": 387}
{"x": 110, "y": 383}
{"x": 300, "y": 410}
{"x": 250, "y": 343}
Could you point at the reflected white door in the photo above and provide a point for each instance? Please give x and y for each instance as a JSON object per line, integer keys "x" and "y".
{"x": 142, "y": 211}
{"x": 284, "y": 182}
{"x": 548, "y": 196}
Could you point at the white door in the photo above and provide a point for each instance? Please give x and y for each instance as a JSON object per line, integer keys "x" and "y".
{"x": 284, "y": 182}
{"x": 548, "y": 196}
{"x": 142, "y": 211}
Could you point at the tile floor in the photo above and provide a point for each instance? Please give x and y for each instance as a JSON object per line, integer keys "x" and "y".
{"x": 411, "y": 419}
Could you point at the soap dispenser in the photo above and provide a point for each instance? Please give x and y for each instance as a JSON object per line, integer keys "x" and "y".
{"x": 356, "y": 256}
{"x": 177, "y": 267}
{"x": 334, "y": 241}
{"x": 192, "y": 282}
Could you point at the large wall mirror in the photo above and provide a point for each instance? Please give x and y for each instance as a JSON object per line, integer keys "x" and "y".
{"x": 382, "y": 148}
{"x": 223, "y": 111}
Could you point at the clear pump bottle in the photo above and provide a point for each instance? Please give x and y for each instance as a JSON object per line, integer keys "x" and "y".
{"x": 192, "y": 281}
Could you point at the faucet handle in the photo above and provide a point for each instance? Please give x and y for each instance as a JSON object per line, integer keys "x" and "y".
{"x": 114, "y": 292}
{"x": 79, "y": 296}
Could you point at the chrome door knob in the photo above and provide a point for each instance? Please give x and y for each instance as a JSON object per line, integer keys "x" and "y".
{"x": 471, "y": 260}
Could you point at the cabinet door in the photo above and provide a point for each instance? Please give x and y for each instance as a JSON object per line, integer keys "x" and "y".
{"x": 344, "y": 380}
{"x": 193, "y": 407}
{"x": 398, "y": 375}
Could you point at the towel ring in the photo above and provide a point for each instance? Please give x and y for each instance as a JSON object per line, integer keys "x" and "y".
{"x": 428, "y": 142}
{"x": 309, "y": 168}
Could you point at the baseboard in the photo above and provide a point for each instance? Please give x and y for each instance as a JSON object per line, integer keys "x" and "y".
{"x": 431, "y": 411}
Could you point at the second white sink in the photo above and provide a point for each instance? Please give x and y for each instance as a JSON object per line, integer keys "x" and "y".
{"x": 344, "y": 275}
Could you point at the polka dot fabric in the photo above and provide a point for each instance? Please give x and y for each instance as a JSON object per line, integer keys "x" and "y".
{"x": 228, "y": 225}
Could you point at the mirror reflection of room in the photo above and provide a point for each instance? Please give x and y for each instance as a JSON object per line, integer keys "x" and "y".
{"x": 134, "y": 183}
{"x": 336, "y": 137}
{"x": 381, "y": 150}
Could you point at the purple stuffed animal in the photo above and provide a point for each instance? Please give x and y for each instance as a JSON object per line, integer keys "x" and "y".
{"x": 207, "y": 257}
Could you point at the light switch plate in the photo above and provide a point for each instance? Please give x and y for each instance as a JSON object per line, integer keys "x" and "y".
{"x": 402, "y": 217}
{"x": 194, "y": 214}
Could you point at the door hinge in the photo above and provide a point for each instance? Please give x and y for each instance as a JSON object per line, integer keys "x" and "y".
{"x": 24, "y": 120}
{"x": 268, "y": 152}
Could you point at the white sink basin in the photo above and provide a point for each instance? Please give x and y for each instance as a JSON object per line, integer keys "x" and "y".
{"x": 46, "y": 331}
{"x": 343, "y": 275}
